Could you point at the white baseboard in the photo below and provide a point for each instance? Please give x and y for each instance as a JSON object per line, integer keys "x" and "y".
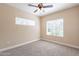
{"x": 18, "y": 45}
{"x": 65, "y": 44}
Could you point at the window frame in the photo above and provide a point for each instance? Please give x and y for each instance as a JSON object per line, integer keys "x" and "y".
{"x": 24, "y": 21}
{"x": 55, "y": 31}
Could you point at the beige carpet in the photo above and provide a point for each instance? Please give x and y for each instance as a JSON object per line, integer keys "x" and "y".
{"x": 41, "y": 48}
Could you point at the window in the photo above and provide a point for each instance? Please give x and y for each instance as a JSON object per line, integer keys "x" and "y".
{"x": 55, "y": 27}
{"x": 23, "y": 21}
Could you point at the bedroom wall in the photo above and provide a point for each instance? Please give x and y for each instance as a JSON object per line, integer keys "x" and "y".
{"x": 71, "y": 26}
{"x": 12, "y": 34}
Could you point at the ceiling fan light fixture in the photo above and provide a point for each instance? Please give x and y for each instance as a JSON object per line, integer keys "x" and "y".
{"x": 40, "y": 6}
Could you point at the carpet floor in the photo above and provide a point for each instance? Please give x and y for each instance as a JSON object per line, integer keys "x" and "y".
{"x": 41, "y": 48}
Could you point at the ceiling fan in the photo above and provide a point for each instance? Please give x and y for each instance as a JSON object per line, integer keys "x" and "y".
{"x": 40, "y": 6}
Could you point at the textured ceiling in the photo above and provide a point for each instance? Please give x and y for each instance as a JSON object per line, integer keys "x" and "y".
{"x": 56, "y": 7}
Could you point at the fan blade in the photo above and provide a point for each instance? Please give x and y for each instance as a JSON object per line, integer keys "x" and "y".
{"x": 48, "y": 6}
{"x": 32, "y": 5}
{"x": 36, "y": 10}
